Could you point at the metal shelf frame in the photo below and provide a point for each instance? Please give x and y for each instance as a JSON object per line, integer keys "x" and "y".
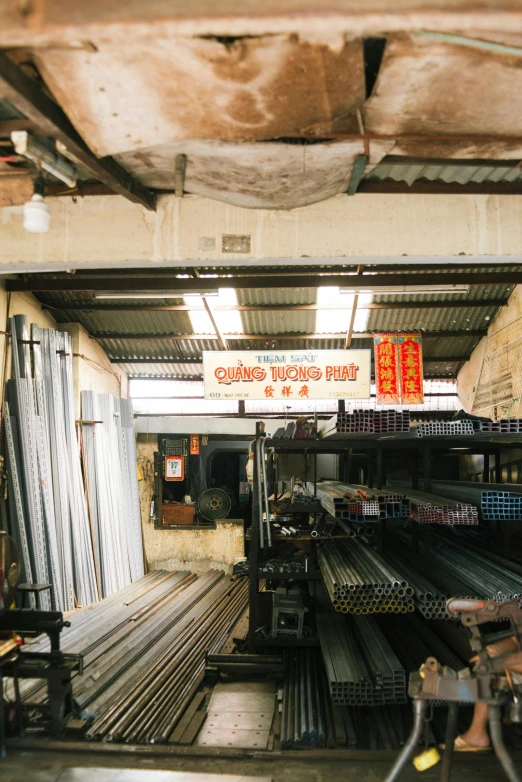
{"x": 376, "y": 447}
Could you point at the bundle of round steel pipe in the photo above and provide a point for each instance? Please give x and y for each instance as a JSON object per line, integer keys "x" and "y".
{"x": 430, "y": 599}
{"x": 359, "y": 580}
{"x": 461, "y": 572}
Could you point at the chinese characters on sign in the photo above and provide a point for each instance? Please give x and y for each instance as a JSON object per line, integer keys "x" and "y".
{"x": 398, "y": 368}
{"x": 411, "y": 371}
{"x": 287, "y": 374}
{"x": 387, "y": 369}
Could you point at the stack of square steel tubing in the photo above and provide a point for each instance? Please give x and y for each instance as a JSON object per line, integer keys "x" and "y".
{"x": 445, "y": 429}
{"x": 359, "y": 503}
{"x": 508, "y": 426}
{"x": 368, "y": 422}
{"x": 361, "y": 667}
{"x": 427, "y": 508}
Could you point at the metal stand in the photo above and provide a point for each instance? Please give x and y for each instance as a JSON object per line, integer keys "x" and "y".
{"x": 420, "y": 708}
{"x": 9, "y": 663}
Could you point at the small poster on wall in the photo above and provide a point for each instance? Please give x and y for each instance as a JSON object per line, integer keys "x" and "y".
{"x": 174, "y": 468}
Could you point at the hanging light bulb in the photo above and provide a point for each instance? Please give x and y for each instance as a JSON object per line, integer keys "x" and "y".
{"x": 36, "y": 212}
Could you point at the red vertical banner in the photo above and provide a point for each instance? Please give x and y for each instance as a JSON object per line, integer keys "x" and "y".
{"x": 411, "y": 369}
{"x": 386, "y": 369}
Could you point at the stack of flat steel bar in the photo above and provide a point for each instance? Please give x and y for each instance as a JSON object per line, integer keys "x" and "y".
{"x": 459, "y": 571}
{"x": 427, "y": 508}
{"x": 361, "y": 667}
{"x": 110, "y": 475}
{"x": 144, "y": 652}
{"x": 497, "y": 501}
{"x": 367, "y": 422}
{"x": 445, "y": 429}
{"x": 307, "y": 718}
{"x": 148, "y": 704}
{"x": 49, "y": 516}
{"x": 360, "y": 581}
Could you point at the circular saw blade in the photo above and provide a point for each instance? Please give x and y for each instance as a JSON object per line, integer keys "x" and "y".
{"x": 9, "y": 571}
{"x": 214, "y": 504}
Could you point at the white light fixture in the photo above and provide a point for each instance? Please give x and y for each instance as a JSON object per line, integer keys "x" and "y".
{"x": 36, "y": 212}
{"x": 33, "y": 149}
{"x": 406, "y": 289}
{"x": 167, "y": 295}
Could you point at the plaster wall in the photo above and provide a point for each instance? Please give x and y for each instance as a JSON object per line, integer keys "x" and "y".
{"x": 195, "y": 550}
{"x": 100, "y": 231}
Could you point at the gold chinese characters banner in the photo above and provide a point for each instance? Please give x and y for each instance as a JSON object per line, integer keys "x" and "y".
{"x": 399, "y": 373}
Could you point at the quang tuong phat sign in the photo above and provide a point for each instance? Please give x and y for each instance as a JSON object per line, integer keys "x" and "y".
{"x": 287, "y": 374}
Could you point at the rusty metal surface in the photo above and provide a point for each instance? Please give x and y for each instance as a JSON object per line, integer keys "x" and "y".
{"x": 76, "y": 22}
{"x": 148, "y": 92}
{"x": 433, "y": 87}
{"x": 255, "y": 175}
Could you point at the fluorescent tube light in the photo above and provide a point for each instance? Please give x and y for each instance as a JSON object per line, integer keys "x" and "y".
{"x": 406, "y": 289}
{"x": 39, "y": 153}
{"x": 155, "y": 295}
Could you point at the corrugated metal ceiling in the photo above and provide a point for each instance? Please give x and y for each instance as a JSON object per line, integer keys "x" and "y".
{"x": 187, "y": 350}
{"x": 456, "y": 173}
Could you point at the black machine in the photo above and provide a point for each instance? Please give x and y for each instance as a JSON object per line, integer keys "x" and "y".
{"x": 180, "y": 495}
{"x": 53, "y": 666}
{"x": 489, "y": 682}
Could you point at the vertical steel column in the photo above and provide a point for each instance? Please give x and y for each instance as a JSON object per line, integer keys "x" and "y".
{"x": 415, "y": 473}
{"x": 449, "y": 740}
{"x": 427, "y": 467}
{"x": 370, "y": 469}
{"x": 379, "y": 476}
{"x": 498, "y": 467}
{"x": 485, "y": 477}
{"x": 254, "y": 552}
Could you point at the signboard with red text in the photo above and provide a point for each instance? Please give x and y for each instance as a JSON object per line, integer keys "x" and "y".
{"x": 387, "y": 380}
{"x": 411, "y": 369}
{"x": 287, "y": 374}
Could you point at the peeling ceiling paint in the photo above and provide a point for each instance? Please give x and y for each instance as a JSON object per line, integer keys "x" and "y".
{"x": 277, "y": 176}
{"x": 142, "y": 94}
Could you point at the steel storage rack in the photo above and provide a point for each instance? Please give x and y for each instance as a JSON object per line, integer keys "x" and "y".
{"x": 376, "y": 450}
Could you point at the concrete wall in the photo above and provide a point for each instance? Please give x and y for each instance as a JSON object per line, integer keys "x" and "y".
{"x": 92, "y": 369}
{"x": 196, "y": 550}
{"x": 17, "y": 304}
{"x": 490, "y": 383}
{"x": 109, "y": 230}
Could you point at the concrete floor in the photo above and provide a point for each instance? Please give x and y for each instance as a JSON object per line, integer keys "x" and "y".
{"x": 25, "y": 766}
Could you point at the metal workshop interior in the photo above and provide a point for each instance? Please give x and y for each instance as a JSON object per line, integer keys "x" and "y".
{"x": 261, "y": 356}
